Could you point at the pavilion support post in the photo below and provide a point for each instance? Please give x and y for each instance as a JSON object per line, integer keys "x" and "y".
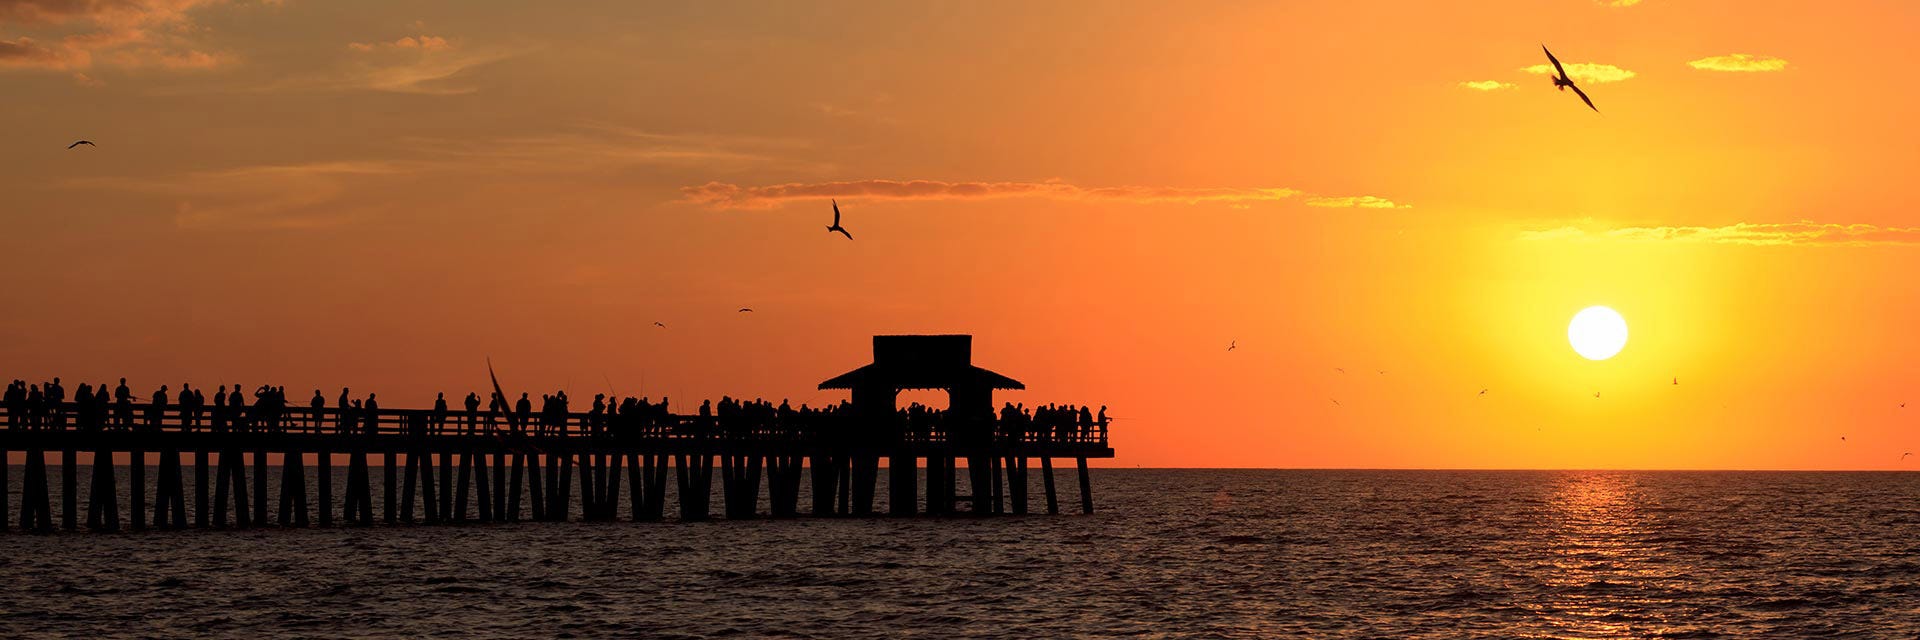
{"x": 410, "y": 474}
{"x": 512, "y": 499}
{"x": 1046, "y": 478}
{"x": 610, "y": 488}
{"x": 323, "y": 472}
{"x": 392, "y": 487}
{"x": 1017, "y": 484}
{"x": 260, "y": 487}
{"x": 429, "y": 499}
{"x": 458, "y": 512}
{"x": 980, "y": 474}
{"x": 137, "y": 489}
{"x": 36, "y": 505}
{"x": 483, "y": 493}
{"x": 1086, "y": 488}
{"x": 825, "y": 472}
{"x": 103, "y": 508}
{"x": 999, "y": 489}
{"x": 903, "y": 476}
{"x": 445, "y": 487}
{"x": 536, "y": 498}
{"x": 200, "y": 487}
{"x": 69, "y": 489}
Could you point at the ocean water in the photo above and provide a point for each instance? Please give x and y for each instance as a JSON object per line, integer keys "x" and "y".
{"x": 1401, "y": 554}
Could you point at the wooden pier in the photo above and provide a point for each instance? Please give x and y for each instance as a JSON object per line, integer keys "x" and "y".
{"x": 473, "y": 467}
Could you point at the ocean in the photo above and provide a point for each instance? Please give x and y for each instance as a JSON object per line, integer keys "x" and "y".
{"x": 1200, "y": 553}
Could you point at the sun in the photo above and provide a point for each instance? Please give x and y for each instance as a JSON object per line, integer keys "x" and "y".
{"x": 1597, "y": 333}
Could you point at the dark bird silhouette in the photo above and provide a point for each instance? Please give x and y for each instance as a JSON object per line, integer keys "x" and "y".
{"x": 1843, "y": 438}
{"x": 1381, "y": 371}
{"x": 746, "y": 310}
{"x": 1339, "y": 369}
{"x": 81, "y": 142}
{"x": 659, "y": 324}
{"x": 1596, "y": 394}
{"x": 1903, "y": 405}
{"x": 836, "y": 222}
{"x": 1563, "y": 83}
{"x": 1676, "y": 382}
{"x": 1483, "y": 392}
{"x": 1335, "y": 402}
{"x": 1232, "y": 344}
{"x": 1903, "y": 456}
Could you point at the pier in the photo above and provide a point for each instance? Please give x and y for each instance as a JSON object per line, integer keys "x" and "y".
{"x": 458, "y": 466}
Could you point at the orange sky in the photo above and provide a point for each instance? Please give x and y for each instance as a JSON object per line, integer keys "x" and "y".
{"x": 383, "y": 194}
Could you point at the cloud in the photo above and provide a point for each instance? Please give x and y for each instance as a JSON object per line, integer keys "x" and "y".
{"x": 1350, "y": 202}
{"x": 1486, "y": 85}
{"x": 75, "y": 35}
{"x": 1617, "y": 3}
{"x": 422, "y": 43}
{"x": 1802, "y": 233}
{"x": 1739, "y": 62}
{"x": 301, "y": 195}
{"x": 1585, "y": 72}
{"x": 719, "y": 195}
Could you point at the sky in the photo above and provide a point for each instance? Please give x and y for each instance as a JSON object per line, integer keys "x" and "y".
{"x": 1385, "y": 207}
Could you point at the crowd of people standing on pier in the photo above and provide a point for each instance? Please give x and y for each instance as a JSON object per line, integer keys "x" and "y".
{"x": 45, "y": 406}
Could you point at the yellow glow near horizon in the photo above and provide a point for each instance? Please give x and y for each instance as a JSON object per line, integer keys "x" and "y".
{"x": 1597, "y": 333}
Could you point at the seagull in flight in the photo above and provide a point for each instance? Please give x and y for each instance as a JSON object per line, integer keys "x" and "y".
{"x": 81, "y": 142}
{"x": 1596, "y": 394}
{"x": 836, "y": 222}
{"x": 1903, "y": 456}
{"x": 1232, "y": 344}
{"x": 1339, "y": 369}
{"x": 1676, "y": 382}
{"x": 1483, "y": 392}
{"x": 746, "y": 310}
{"x": 1335, "y": 402}
{"x": 1562, "y": 82}
{"x": 657, "y": 323}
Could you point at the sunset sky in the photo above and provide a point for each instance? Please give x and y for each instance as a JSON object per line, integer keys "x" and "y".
{"x": 1106, "y": 194}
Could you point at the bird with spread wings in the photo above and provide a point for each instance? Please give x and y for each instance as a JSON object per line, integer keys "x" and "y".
{"x": 1563, "y": 83}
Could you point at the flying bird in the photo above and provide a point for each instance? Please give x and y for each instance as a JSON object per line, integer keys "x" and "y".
{"x": 746, "y": 310}
{"x": 81, "y": 142}
{"x": 1676, "y": 382}
{"x": 1335, "y": 402}
{"x": 659, "y": 324}
{"x": 1483, "y": 392}
{"x": 1843, "y": 438}
{"x": 1339, "y": 369}
{"x": 1562, "y": 82}
{"x": 1596, "y": 394}
{"x": 1231, "y": 344}
{"x": 1903, "y": 456}
{"x": 836, "y": 222}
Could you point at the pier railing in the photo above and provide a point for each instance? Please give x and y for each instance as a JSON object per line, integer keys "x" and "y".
{"x": 807, "y": 427}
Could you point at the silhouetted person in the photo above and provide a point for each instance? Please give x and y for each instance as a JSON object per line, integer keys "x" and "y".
{"x": 237, "y": 410}
{"x": 157, "y": 409}
{"x": 344, "y": 428}
{"x": 1103, "y": 423}
{"x": 440, "y": 413}
{"x": 473, "y": 413}
{"x": 123, "y": 405}
{"x": 314, "y": 407}
{"x": 523, "y": 411}
{"x": 56, "y": 404}
{"x": 370, "y": 415}
{"x": 220, "y": 409}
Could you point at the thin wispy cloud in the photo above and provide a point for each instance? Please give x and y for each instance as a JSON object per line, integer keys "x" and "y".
{"x": 1617, "y": 3}
{"x": 1486, "y": 85}
{"x": 302, "y": 195}
{"x": 79, "y": 35}
{"x": 1739, "y": 63}
{"x": 1801, "y": 233}
{"x": 1585, "y": 72}
{"x": 720, "y": 195}
{"x": 422, "y": 42}
{"x": 1353, "y": 202}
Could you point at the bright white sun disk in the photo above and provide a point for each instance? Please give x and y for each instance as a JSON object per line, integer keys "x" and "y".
{"x": 1597, "y": 333}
